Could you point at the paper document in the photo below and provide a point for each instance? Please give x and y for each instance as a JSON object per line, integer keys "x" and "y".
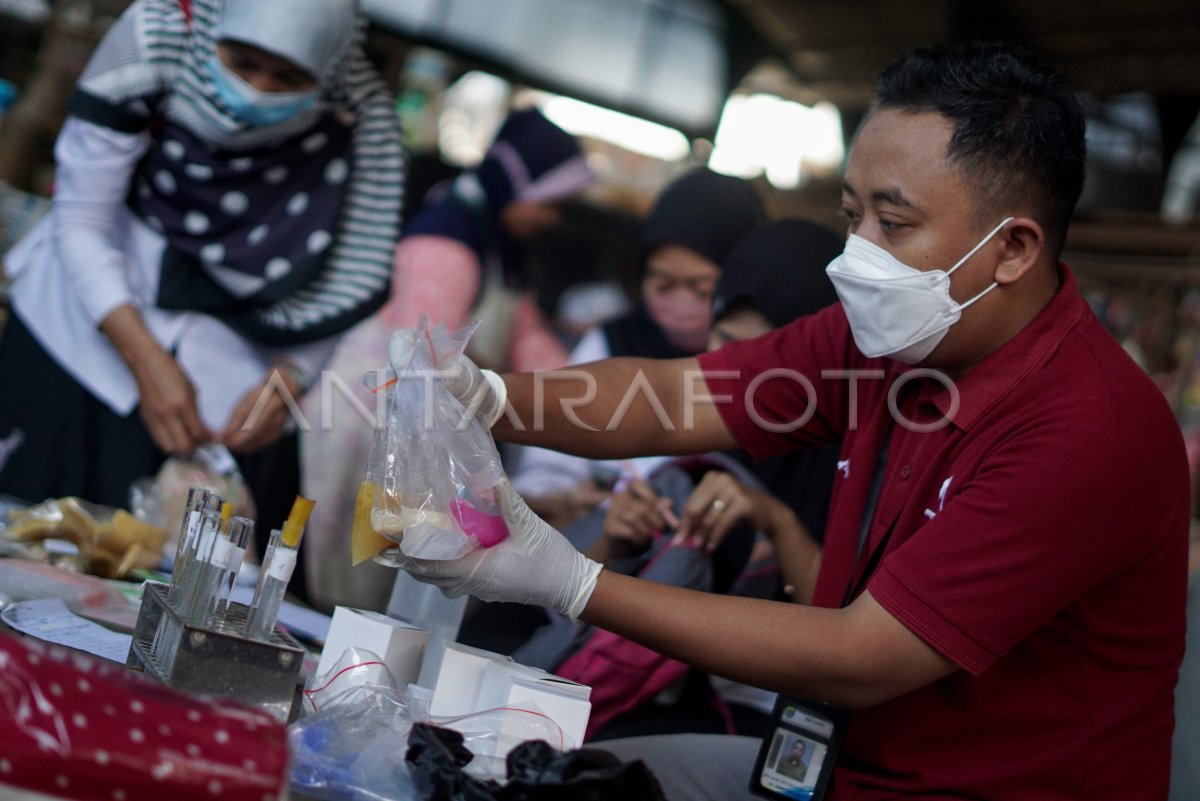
{"x": 49, "y": 619}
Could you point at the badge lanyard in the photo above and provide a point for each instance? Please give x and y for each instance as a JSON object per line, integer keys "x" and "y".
{"x": 864, "y": 533}
{"x": 797, "y": 758}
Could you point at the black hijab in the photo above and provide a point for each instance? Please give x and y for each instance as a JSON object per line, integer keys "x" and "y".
{"x": 778, "y": 269}
{"x": 703, "y": 211}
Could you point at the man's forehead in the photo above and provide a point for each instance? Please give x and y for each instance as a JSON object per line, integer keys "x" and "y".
{"x": 899, "y": 158}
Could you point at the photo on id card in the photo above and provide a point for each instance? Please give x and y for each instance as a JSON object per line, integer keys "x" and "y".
{"x": 797, "y": 757}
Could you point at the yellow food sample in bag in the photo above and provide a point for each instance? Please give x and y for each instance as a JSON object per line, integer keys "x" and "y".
{"x": 365, "y": 541}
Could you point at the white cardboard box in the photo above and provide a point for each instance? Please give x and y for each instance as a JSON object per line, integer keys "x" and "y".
{"x": 459, "y": 679}
{"x": 515, "y": 686}
{"x": 400, "y": 645}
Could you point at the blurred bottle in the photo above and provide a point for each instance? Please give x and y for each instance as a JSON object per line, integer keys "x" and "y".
{"x": 425, "y": 606}
{"x": 422, "y": 82}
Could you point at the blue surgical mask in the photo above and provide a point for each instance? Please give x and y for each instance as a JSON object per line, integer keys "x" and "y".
{"x": 255, "y": 108}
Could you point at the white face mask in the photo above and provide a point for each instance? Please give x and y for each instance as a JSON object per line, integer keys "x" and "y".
{"x": 893, "y": 309}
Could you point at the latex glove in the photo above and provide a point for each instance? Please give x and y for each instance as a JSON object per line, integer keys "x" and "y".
{"x": 482, "y": 391}
{"x": 536, "y": 565}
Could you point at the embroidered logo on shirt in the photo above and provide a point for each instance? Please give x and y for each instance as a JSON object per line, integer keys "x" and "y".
{"x": 843, "y": 467}
{"x": 929, "y": 513}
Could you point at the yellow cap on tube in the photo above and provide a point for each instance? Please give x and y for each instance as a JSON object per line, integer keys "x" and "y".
{"x": 293, "y": 528}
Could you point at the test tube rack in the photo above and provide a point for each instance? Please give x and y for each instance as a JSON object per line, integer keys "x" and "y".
{"x": 217, "y": 659}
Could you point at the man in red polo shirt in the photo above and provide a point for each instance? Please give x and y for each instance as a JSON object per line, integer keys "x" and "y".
{"x": 1001, "y": 596}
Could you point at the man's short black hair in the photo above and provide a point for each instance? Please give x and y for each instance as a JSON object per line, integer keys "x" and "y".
{"x": 1019, "y": 129}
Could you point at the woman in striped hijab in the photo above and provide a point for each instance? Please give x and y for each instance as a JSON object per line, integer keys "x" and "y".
{"x": 227, "y": 202}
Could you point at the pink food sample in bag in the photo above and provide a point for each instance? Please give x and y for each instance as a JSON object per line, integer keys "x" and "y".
{"x": 488, "y": 529}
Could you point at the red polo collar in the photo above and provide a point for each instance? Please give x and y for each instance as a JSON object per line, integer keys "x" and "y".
{"x": 985, "y": 383}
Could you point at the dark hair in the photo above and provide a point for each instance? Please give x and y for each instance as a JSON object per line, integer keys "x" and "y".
{"x": 1018, "y": 128}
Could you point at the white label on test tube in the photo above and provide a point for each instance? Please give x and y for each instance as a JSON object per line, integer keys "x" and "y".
{"x": 220, "y": 552}
{"x": 233, "y": 558}
{"x": 193, "y": 525}
{"x": 206, "y": 540}
{"x": 282, "y": 563}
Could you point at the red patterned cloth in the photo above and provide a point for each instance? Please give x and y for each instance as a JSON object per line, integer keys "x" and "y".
{"x": 80, "y": 728}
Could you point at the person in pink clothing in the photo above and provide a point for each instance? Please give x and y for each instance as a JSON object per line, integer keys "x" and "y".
{"x": 459, "y": 260}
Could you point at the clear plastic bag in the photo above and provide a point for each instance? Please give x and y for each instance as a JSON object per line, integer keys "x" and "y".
{"x": 82, "y": 536}
{"x": 434, "y": 469}
{"x": 492, "y": 733}
{"x": 211, "y": 467}
{"x": 350, "y": 742}
{"x": 353, "y": 679}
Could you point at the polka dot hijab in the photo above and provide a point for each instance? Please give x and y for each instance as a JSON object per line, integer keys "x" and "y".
{"x": 284, "y": 231}
{"x": 258, "y": 226}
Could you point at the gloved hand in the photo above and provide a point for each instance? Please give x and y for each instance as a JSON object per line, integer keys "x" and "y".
{"x": 535, "y": 565}
{"x": 481, "y": 391}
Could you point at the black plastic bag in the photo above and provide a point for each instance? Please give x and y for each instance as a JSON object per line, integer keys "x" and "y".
{"x": 536, "y": 772}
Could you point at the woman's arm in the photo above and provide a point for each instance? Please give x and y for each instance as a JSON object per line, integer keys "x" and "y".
{"x": 93, "y": 169}
{"x": 435, "y": 276}
{"x": 532, "y": 346}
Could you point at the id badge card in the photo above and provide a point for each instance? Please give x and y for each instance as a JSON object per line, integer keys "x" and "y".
{"x": 798, "y": 755}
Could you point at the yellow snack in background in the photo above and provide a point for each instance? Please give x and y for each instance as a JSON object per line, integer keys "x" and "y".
{"x": 111, "y": 543}
{"x": 124, "y": 531}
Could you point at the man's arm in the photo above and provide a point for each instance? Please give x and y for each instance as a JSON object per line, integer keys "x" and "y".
{"x": 615, "y": 408}
{"x": 855, "y": 657}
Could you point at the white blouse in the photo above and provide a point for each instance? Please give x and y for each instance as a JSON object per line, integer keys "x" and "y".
{"x": 90, "y": 255}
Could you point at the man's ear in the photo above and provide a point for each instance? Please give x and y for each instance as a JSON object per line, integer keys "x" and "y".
{"x": 1022, "y": 243}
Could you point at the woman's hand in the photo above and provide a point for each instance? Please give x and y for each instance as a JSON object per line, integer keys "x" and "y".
{"x": 167, "y": 405}
{"x": 166, "y": 397}
{"x": 719, "y": 503}
{"x": 261, "y": 416}
{"x": 561, "y": 509}
{"x": 633, "y": 518}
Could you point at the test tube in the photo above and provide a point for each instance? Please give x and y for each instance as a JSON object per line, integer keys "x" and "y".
{"x": 200, "y": 543}
{"x": 207, "y": 570}
{"x": 278, "y": 563}
{"x": 241, "y": 529}
{"x": 196, "y": 500}
{"x": 276, "y": 570}
{"x": 203, "y": 510}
